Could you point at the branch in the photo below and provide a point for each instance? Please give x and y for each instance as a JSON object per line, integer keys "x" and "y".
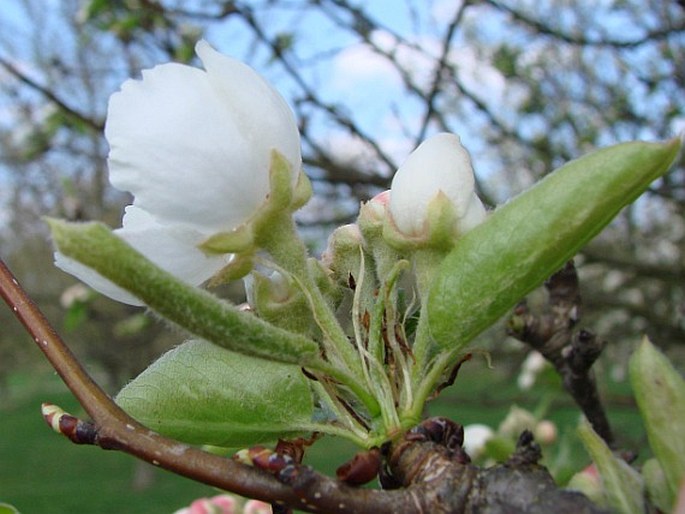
{"x": 542, "y": 28}
{"x": 310, "y": 95}
{"x": 438, "y": 75}
{"x": 572, "y": 352}
{"x": 93, "y": 124}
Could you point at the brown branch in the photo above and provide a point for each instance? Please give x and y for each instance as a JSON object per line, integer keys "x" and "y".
{"x": 444, "y": 483}
{"x": 310, "y": 95}
{"x": 572, "y": 352}
{"x": 438, "y": 76}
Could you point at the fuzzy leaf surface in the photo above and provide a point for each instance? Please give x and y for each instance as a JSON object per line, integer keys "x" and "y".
{"x": 199, "y": 393}
{"x": 192, "y": 308}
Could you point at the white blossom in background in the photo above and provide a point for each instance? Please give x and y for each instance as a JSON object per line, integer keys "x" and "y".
{"x": 530, "y": 369}
{"x": 476, "y": 437}
{"x": 439, "y": 164}
{"x": 78, "y": 293}
{"x": 194, "y": 147}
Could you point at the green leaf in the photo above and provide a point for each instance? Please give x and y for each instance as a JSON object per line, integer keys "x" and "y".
{"x": 657, "y": 487}
{"x": 199, "y": 393}
{"x": 660, "y": 394}
{"x": 198, "y": 311}
{"x": 623, "y": 486}
{"x": 527, "y": 239}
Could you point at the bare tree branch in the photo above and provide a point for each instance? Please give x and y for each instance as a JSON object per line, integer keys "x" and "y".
{"x": 96, "y": 125}
{"x": 543, "y": 28}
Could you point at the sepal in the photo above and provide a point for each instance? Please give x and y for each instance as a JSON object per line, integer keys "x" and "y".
{"x": 660, "y": 393}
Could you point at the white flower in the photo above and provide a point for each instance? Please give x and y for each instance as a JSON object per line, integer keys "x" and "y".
{"x": 439, "y": 165}
{"x": 530, "y": 369}
{"x": 476, "y": 437}
{"x": 195, "y": 148}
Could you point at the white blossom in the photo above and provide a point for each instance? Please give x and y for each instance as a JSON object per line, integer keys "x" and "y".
{"x": 194, "y": 147}
{"x": 439, "y": 165}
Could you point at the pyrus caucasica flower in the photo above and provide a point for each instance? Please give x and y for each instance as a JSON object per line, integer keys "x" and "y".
{"x": 432, "y": 196}
{"x": 199, "y": 151}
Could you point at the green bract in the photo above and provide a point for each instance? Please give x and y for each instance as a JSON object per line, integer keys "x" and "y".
{"x": 527, "y": 239}
{"x": 623, "y": 486}
{"x": 199, "y": 312}
{"x": 660, "y": 394}
{"x": 201, "y": 394}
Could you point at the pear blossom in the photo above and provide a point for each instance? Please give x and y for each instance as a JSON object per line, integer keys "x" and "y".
{"x": 439, "y": 165}
{"x": 476, "y": 437}
{"x": 195, "y": 148}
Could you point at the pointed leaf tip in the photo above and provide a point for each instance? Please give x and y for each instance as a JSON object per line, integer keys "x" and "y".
{"x": 527, "y": 239}
{"x": 660, "y": 394}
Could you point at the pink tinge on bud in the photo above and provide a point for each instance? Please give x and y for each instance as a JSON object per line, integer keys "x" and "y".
{"x": 200, "y": 506}
{"x": 382, "y": 198}
{"x": 226, "y": 503}
{"x": 257, "y": 507}
{"x": 545, "y": 432}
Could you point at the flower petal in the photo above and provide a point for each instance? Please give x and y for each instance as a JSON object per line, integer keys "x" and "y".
{"x": 171, "y": 247}
{"x": 95, "y": 280}
{"x": 168, "y": 136}
{"x": 265, "y": 119}
{"x": 174, "y": 248}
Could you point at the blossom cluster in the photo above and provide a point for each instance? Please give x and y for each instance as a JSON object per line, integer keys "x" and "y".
{"x": 195, "y": 147}
{"x": 212, "y": 158}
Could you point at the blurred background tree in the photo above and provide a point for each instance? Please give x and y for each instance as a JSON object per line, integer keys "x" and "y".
{"x": 527, "y": 84}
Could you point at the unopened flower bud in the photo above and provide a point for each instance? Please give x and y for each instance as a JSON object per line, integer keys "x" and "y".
{"x": 432, "y": 197}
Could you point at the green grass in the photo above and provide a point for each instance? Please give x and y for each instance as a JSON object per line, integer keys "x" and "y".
{"x": 41, "y": 472}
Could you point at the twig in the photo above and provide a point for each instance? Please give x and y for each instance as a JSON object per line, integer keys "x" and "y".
{"x": 435, "y": 479}
{"x": 572, "y": 352}
{"x": 95, "y": 125}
